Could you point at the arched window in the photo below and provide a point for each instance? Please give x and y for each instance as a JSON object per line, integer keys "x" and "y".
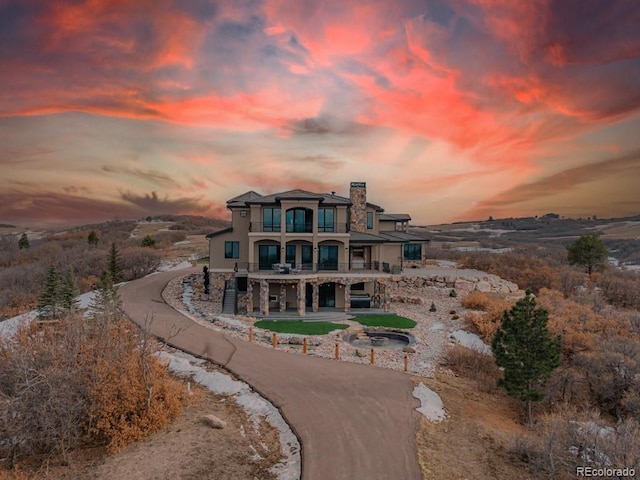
{"x": 299, "y": 220}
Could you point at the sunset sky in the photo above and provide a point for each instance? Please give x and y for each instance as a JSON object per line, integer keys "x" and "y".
{"x": 449, "y": 110}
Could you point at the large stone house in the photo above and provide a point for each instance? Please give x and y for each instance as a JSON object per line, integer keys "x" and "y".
{"x": 299, "y": 250}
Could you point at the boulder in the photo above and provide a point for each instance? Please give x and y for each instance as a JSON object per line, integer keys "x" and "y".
{"x": 483, "y": 286}
{"x": 409, "y": 350}
{"x": 360, "y": 353}
{"x": 214, "y": 422}
{"x": 464, "y": 285}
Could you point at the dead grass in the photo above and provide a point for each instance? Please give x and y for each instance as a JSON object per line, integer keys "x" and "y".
{"x": 474, "y": 441}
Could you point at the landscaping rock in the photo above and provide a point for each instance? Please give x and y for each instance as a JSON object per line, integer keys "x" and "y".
{"x": 483, "y": 286}
{"x": 360, "y": 353}
{"x": 409, "y": 350}
{"x": 214, "y": 422}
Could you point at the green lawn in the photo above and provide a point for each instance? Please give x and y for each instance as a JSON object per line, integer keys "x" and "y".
{"x": 299, "y": 327}
{"x": 391, "y": 321}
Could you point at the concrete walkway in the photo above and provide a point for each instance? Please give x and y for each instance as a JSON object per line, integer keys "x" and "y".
{"x": 354, "y": 421}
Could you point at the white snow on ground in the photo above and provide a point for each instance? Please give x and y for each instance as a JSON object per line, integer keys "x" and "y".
{"x": 10, "y": 326}
{"x": 447, "y": 263}
{"x": 85, "y": 299}
{"x": 183, "y": 242}
{"x": 256, "y": 406}
{"x": 430, "y": 403}
{"x": 166, "y": 266}
{"x": 471, "y": 340}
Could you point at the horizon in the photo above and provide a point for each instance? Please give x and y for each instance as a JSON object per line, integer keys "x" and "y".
{"x": 449, "y": 111}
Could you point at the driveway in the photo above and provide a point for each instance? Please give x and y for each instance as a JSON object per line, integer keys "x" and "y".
{"x": 354, "y": 421}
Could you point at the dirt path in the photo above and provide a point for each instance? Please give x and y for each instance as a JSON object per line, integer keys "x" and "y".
{"x": 354, "y": 421}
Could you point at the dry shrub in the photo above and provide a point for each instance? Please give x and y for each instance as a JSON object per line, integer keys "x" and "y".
{"x": 475, "y": 365}
{"x": 493, "y": 308}
{"x": 569, "y": 438}
{"x": 79, "y": 380}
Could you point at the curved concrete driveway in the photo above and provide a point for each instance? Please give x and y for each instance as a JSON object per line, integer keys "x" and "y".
{"x": 354, "y": 421}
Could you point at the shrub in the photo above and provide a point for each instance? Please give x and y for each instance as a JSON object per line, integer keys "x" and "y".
{"x": 475, "y": 365}
{"x": 453, "y": 294}
{"x": 432, "y": 308}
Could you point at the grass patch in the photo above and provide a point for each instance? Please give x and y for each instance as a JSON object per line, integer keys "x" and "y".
{"x": 203, "y": 261}
{"x": 390, "y": 321}
{"x": 299, "y": 327}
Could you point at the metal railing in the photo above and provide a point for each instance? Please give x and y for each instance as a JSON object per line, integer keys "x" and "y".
{"x": 302, "y": 268}
{"x": 298, "y": 227}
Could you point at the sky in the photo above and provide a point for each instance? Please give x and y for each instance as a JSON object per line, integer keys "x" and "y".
{"x": 449, "y": 110}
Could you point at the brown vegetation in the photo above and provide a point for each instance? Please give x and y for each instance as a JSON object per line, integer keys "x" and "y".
{"x": 76, "y": 381}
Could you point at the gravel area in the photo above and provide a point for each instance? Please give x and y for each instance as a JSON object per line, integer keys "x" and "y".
{"x": 433, "y": 332}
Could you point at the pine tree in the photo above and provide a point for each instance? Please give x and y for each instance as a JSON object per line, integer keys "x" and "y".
{"x": 115, "y": 264}
{"x": 50, "y": 301}
{"x": 68, "y": 292}
{"x": 589, "y": 252}
{"x": 525, "y": 350}
{"x": 23, "y": 242}
{"x": 148, "y": 241}
{"x": 93, "y": 238}
{"x": 106, "y": 301}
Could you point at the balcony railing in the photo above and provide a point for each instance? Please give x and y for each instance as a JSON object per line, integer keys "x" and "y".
{"x": 303, "y": 268}
{"x": 298, "y": 227}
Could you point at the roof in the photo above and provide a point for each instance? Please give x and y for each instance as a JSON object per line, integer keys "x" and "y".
{"x": 220, "y": 232}
{"x": 324, "y": 198}
{"x": 395, "y": 217}
{"x": 384, "y": 237}
{"x": 241, "y": 200}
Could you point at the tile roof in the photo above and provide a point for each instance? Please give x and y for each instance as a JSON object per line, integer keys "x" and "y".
{"x": 395, "y": 217}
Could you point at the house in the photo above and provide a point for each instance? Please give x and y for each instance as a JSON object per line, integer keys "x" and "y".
{"x": 299, "y": 250}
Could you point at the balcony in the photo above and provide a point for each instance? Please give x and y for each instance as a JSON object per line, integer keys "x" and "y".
{"x": 304, "y": 268}
{"x": 297, "y": 228}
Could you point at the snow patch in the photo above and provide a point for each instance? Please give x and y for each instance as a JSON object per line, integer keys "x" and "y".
{"x": 183, "y": 242}
{"x": 166, "y": 266}
{"x": 256, "y": 407}
{"x": 430, "y": 403}
{"x": 10, "y": 327}
{"x": 471, "y": 340}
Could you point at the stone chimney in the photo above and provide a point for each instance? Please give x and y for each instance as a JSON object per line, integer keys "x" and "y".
{"x": 358, "y": 211}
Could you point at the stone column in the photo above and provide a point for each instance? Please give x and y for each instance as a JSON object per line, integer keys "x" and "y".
{"x": 301, "y": 297}
{"x": 283, "y": 297}
{"x": 347, "y": 296}
{"x": 386, "y": 297}
{"x": 249, "y": 296}
{"x": 376, "y": 294}
{"x": 264, "y": 297}
{"x": 315, "y": 296}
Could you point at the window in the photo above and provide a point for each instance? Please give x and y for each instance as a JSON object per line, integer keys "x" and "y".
{"x": 299, "y": 220}
{"x": 325, "y": 220}
{"x": 412, "y": 251}
{"x": 290, "y": 255}
{"x": 267, "y": 256}
{"x": 358, "y": 286}
{"x": 307, "y": 256}
{"x": 369, "y": 220}
{"x": 231, "y": 249}
{"x": 270, "y": 219}
{"x": 243, "y": 213}
{"x": 328, "y": 257}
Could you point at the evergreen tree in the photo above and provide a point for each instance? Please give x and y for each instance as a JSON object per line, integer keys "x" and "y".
{"x": 68, "y": 292}
{"x": 205, "y": 278}
{"x": 115, "y": 264}
{"x": 525, "y": 350}
{"x": 50, "y": 301}
{"x": 106, "y": 302}
{"x": 148, "y": 241}
{"x": 589, "y": 252}
{"x": 23, "y": 242}
{"x": 93, "y": 238}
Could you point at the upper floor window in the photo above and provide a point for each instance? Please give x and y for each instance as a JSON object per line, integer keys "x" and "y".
{"x": 369, "y": 220}
{"x": 231, "y": 249}
{"x": 243, "y": 213}
{"x": 412, "y": 251}
{"x": 326, "y": 220}
{"x": 271, "y": 219}
{"x": 299, "y": 220}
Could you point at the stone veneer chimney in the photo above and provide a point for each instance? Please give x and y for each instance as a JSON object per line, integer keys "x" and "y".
{"x": 358, "y": 211}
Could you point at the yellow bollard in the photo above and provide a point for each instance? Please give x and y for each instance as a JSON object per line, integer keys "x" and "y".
{"x": 304, "y": 346}
{"x": 406, "y": 362}
{"x": 275, "y": 341}
{"x": 373, "y": 361}
{"x": 250, "y": 334}
{"x": 337, "y": 352}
